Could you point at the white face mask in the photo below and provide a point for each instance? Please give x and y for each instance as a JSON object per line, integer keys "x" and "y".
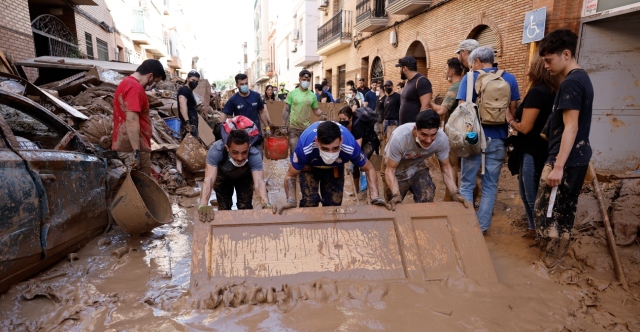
{"x": 305, "y": 84}
{"x": 350, "y": 96}
{"x": 329, "y": 157}
{"x": 236, "y": 164}
{"x": 377, "y": 93}
{"x": 422, "y": 146}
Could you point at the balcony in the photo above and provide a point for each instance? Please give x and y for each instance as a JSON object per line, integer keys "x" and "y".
{"x": 147, "y": 30}
{"x": 335, "y": 34}
{"x": 261, "y": 70}
{"x": 174, "y": 62}
{"x": 404, "y": 7}
{"x": 370, "y": 15}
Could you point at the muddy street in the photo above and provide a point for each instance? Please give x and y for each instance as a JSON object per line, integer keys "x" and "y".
{"x": 119, "y": 282}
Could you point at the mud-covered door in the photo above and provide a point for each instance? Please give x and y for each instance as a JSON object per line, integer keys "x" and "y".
{"x": 20, "y": 213}
{"x": 74, "y": 181}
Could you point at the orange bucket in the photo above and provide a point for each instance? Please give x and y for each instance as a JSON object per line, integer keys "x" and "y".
{"x": 276, "y": 148}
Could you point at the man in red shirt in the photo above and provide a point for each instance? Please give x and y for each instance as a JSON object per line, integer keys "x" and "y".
{"x": 131, "y": 121}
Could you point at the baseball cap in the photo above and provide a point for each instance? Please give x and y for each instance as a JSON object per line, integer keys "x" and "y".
{"x": 387, "y": 82}
{"x": 193, "y": 73}
{"x": 361, "y": 79}
{"x": 282, "y": 83}
{"x": 304, "y": 73}
{"x": 407, "y": 61}
{"x": 428, "y": 119}
{"x": 467, "y": 45}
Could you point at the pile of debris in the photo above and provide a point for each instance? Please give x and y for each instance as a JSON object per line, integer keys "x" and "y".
{"x": 84, "y": 100}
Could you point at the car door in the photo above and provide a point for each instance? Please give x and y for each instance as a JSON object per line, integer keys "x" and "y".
{"x": 22, "y": 214}
{"x": 72, "y": 175}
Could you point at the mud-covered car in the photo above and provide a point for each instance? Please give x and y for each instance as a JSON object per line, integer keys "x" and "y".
{"x": 52, "y": 197}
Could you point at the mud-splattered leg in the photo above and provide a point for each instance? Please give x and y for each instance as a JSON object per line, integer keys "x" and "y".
{"x": 422, "y": 186}
{"x": 294, "y": 136}
{"x": 309, "y": 185}
{"x": 332, "y": 186}
{"x": 224, "y": 193}
{"x": 244, "y": 192}
{"x": 555, "y": 231}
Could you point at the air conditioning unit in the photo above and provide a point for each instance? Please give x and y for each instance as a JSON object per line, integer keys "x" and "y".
{"x": 295, "y": 36}
{"x": 323, "y": 4}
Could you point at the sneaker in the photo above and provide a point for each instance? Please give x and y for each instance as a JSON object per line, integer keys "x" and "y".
{"x": 530, "y": 234}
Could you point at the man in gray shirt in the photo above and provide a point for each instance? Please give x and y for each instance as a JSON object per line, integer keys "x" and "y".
{"x": 405, "y": 168}
{"x": 228, "y": 167}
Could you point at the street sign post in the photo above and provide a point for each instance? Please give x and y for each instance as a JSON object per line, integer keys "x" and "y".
{"x": 534, "y": 25}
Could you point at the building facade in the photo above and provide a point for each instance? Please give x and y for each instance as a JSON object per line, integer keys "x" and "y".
{"x": 109, "y": 30}
{"x": 365, "y": 38}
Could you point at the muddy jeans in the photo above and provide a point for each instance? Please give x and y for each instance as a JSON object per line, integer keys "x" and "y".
{"x": 528, "y": 181}
{"x": 224, "y": 192}
{"x": 555, "y": 232}
{"x": 329, "y": 181}
{"x": 294, "y": 136}
{"x": 420, "y": 184}
{"x": 145, "y": 160}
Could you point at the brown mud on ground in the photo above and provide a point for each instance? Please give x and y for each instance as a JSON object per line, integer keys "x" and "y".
{"x": 146, "y": 288}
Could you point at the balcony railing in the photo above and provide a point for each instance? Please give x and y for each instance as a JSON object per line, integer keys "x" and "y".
{"x": 369, "y": 8}
{"x": 140, "y": 20}
{"x": 338, "y": 27}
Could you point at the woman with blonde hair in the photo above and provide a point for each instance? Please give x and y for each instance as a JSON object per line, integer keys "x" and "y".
{"x": 530, "y": 149}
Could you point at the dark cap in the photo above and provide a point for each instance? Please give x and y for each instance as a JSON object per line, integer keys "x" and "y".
{"x": 304, "y": 73}
{"x": 428, "y": 119}
{"x": 387, "y": 82}
{"x": 361, "y": 79}
{"x": 407, "y": 61}
{"x": 193, "y": 73}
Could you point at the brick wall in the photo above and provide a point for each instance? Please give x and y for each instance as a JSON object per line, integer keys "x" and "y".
{"x": 84, "y": 24}
{"x": 442, "y": 28}
{"x": 16, "y": 38}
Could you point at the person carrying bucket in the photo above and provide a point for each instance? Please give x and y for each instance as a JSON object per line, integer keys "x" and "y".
{"x": 229, "y": 162}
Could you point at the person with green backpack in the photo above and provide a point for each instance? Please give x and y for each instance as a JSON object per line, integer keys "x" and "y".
{"x": 495, "y": 92}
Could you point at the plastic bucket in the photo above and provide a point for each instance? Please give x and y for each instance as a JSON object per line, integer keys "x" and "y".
{"x": 140, "y": 205}
{"x": 276, "y": 148}
{"x": 174, "y": 124}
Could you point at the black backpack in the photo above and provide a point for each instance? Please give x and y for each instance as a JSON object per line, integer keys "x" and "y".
{"x": 367, "y": 115}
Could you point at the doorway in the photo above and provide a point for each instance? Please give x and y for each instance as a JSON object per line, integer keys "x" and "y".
{"x": 418, "y": 52}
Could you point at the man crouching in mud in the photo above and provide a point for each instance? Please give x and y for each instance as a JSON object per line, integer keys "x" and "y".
{"x": 318, "y": 160}
{"x": 569, "y": 148}
{"x": 228, "y": 168}
{"x": 405, "y": 167}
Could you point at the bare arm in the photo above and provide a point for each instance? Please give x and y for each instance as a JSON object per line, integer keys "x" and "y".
{"x": 359, "y": 140}
{"x": 133, "y": 129}
{"x": 318, "y": 112}
{"x": 441, "y": 110}
{"x": 210, "y": 174}
{"x": 290, "y": 183}
{"x": 372, "y": 179}
{"x": 570, "y": 119}
{"x": 258, "y": 185}
{"x": 183, "y": 107}
{"x": 512, "y": 107}
{"x": 223, "y": 117}
{"x": 285, "y": 115}
{"x": 264, "y": 117}
{"x": 529, "y": 116}
{"x": 390, "y": 176}
{"x": 425, "y": 101}
{"x": 447, "y": 175}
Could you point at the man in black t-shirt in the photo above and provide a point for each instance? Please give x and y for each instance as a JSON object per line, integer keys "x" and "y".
{"x": 388, "y": 111}
{"x": 187, "y": 105}
{"x": 569, "y": 147}
{"x": 416, "y": 94}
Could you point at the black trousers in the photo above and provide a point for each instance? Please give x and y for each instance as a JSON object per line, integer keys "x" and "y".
{"x": 324, "y": 185}
{"x": 224, "y": 187}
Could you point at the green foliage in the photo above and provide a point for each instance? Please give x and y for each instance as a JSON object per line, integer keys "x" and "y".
{"x": 226, "y": 83}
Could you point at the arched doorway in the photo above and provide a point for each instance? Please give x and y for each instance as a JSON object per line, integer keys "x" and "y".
{"x": 418, "y": 52}
{"x": 377, "y": 69}
{"x": 485, "y": 37}
{"x": 52, "y": 37}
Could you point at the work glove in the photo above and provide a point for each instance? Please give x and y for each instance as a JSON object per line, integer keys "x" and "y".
{"x": 323, "y": 117}
{"x": 456, "y": 197}
{"x": 205, "y": 213}
{"x": 135, "y": 160}
{"x": 267, "y": 132}
{"x": 284, "y": 131}
{"x": 289, "y": 205}
{"x": 396, "y": 199}
{"x": 380, "y": 202}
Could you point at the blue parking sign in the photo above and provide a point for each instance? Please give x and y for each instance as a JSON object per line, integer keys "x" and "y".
{"x": 534, "y": 25}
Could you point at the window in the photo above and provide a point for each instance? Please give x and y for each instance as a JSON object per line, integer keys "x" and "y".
{"x": 103, "y": 49}
{"x": 89, "y": 41}
{"x": 31, "y": 133}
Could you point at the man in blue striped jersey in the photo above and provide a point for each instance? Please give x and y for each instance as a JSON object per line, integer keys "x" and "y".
{"x": 318, "y": 161}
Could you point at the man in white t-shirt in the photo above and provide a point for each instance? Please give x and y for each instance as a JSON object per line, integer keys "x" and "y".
{"x": 405, "y": 168}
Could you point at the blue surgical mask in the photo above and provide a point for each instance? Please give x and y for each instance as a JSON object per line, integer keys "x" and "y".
{"x": 244, "y": 88}
{"x": 305, "y": 84}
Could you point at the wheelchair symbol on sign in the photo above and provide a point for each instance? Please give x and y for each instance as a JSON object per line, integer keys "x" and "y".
{"x": 532, "y": 29}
